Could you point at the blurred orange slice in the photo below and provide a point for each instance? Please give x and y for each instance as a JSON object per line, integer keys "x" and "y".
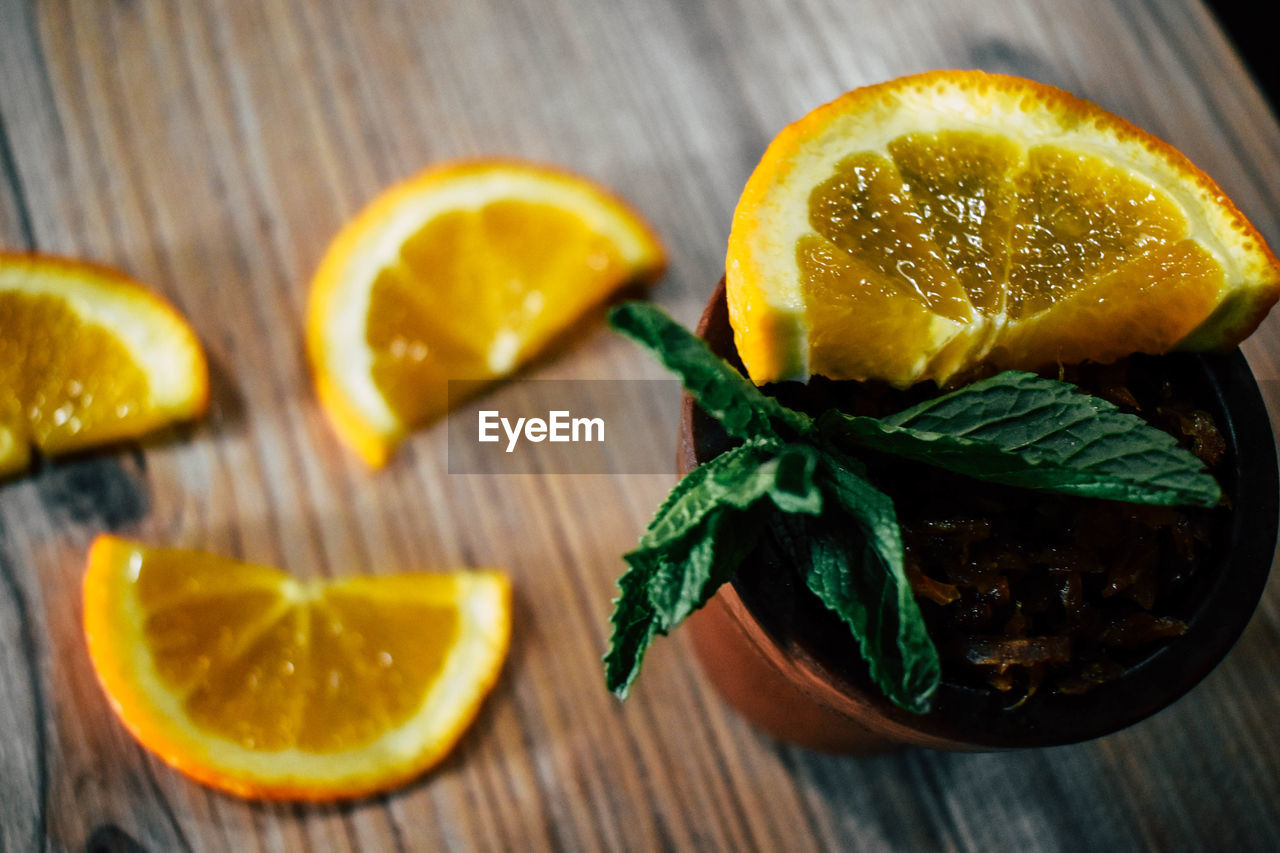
{"x": 938, "y": 224}
{"x": 251, "y": 681}
{"x": 87, "y": 357}
{"x": 462, "y": 272}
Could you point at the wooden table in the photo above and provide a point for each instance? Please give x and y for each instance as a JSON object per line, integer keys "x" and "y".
{"x": 213, "y": 148}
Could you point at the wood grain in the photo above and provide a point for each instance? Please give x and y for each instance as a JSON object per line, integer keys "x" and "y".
{"x": 212, "y": 149}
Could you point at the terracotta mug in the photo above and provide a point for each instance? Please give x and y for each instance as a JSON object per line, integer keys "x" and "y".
{"x": 772, "y": 669}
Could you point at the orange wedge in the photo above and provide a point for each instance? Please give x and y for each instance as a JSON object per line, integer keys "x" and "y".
{"x": 463, "y": 272}
{"x": 937, "y": 225}
{"x": 87, "y": 357}
{"x": 265, "y": 686}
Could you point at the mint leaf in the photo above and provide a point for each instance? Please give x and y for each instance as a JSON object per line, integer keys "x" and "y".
{"x": 675, "y": 591}
{"x": 702, "y": 489}
{"x": 697, "y": 541}
{"x": 1021, "y": 430}
{"x": 857, "y": 572}
{"x": 684, "y": 577}
{"x": 714, "y": 384}
{"x": 683, "y": 511}
{"x": 633, "y": 629}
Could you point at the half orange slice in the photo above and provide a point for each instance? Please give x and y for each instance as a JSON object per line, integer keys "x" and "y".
{"x": 88, "y": 356}
{"x": 937, "y": 224}
{"x": 463, "y": 272}
{"x": 251, "y": 681}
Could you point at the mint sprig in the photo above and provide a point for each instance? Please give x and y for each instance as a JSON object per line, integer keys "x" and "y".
{"x": 796, "y": 479}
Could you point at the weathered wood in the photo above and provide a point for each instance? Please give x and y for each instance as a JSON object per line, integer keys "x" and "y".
{"x": 212, "y": 150}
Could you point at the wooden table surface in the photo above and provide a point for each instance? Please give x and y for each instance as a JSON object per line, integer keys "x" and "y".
{"x": 213, "y": 148}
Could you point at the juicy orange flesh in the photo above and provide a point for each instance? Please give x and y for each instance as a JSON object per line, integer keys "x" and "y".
{"x": 959, "y": 184}
{"x": 366, "y": 653}
{"x": 1079, "y": 217}
{"x": 846, "y": 293}
{"x": 865, "y": 209}
{"x": 320, "y": 674}
{"x": 63, "y": 382}
{"x": 477, "y": 291}
{"x": 1148, "y": 305}
{"x": 956, "y": 219}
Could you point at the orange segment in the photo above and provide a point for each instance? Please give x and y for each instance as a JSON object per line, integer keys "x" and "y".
{"x": 463, "y": 272}
{"x": 15, "y": 455}
{"x": 1080, "y": 217}
{"x": 844, "y": 290}
{"x": 1148, "y": 305}
{"x": 948, "y": 223}
{"x": 865, "y": 209}
{"x": 959, "y": 182}
{"x": 265, "y": 686}
{"x": 87, "y": 357}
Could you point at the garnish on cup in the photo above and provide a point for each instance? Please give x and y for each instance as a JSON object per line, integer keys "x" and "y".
{"x": 932, "y": 232}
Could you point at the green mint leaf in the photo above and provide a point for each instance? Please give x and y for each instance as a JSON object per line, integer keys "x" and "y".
{"x": 857, "y": 572}
{"x": 683, "y": 511}
{"x": 702, "y": 489}
{"x": 686, "y": 573}
{"x": 698, "y": 539}
{"x": 840, "y": 531}
{"x": 721, "y": 391}
{"x": 787, "y": 480}
{"x": 685, "y": 577}
{"x": 633, "y": 629}
{"x": 1022, "y": 430}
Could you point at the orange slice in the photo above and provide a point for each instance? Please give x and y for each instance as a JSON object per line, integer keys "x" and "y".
{"x": 87, "y": 357}
{"x": 948, "y": 222}
{"x": 463, "y": 272}
{"x": 251, "y": 681}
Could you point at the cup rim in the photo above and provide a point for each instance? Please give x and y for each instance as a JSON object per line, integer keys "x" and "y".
{"x": 964, "y": 718}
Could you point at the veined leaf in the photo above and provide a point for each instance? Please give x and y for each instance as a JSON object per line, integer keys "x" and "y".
{"x": 703, "y": 488}
{"x": 697, "y": 541}
{"x": 721, "y": 391}
{"x": 856, "y": 570}
{"x": 1021, "y": 430}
